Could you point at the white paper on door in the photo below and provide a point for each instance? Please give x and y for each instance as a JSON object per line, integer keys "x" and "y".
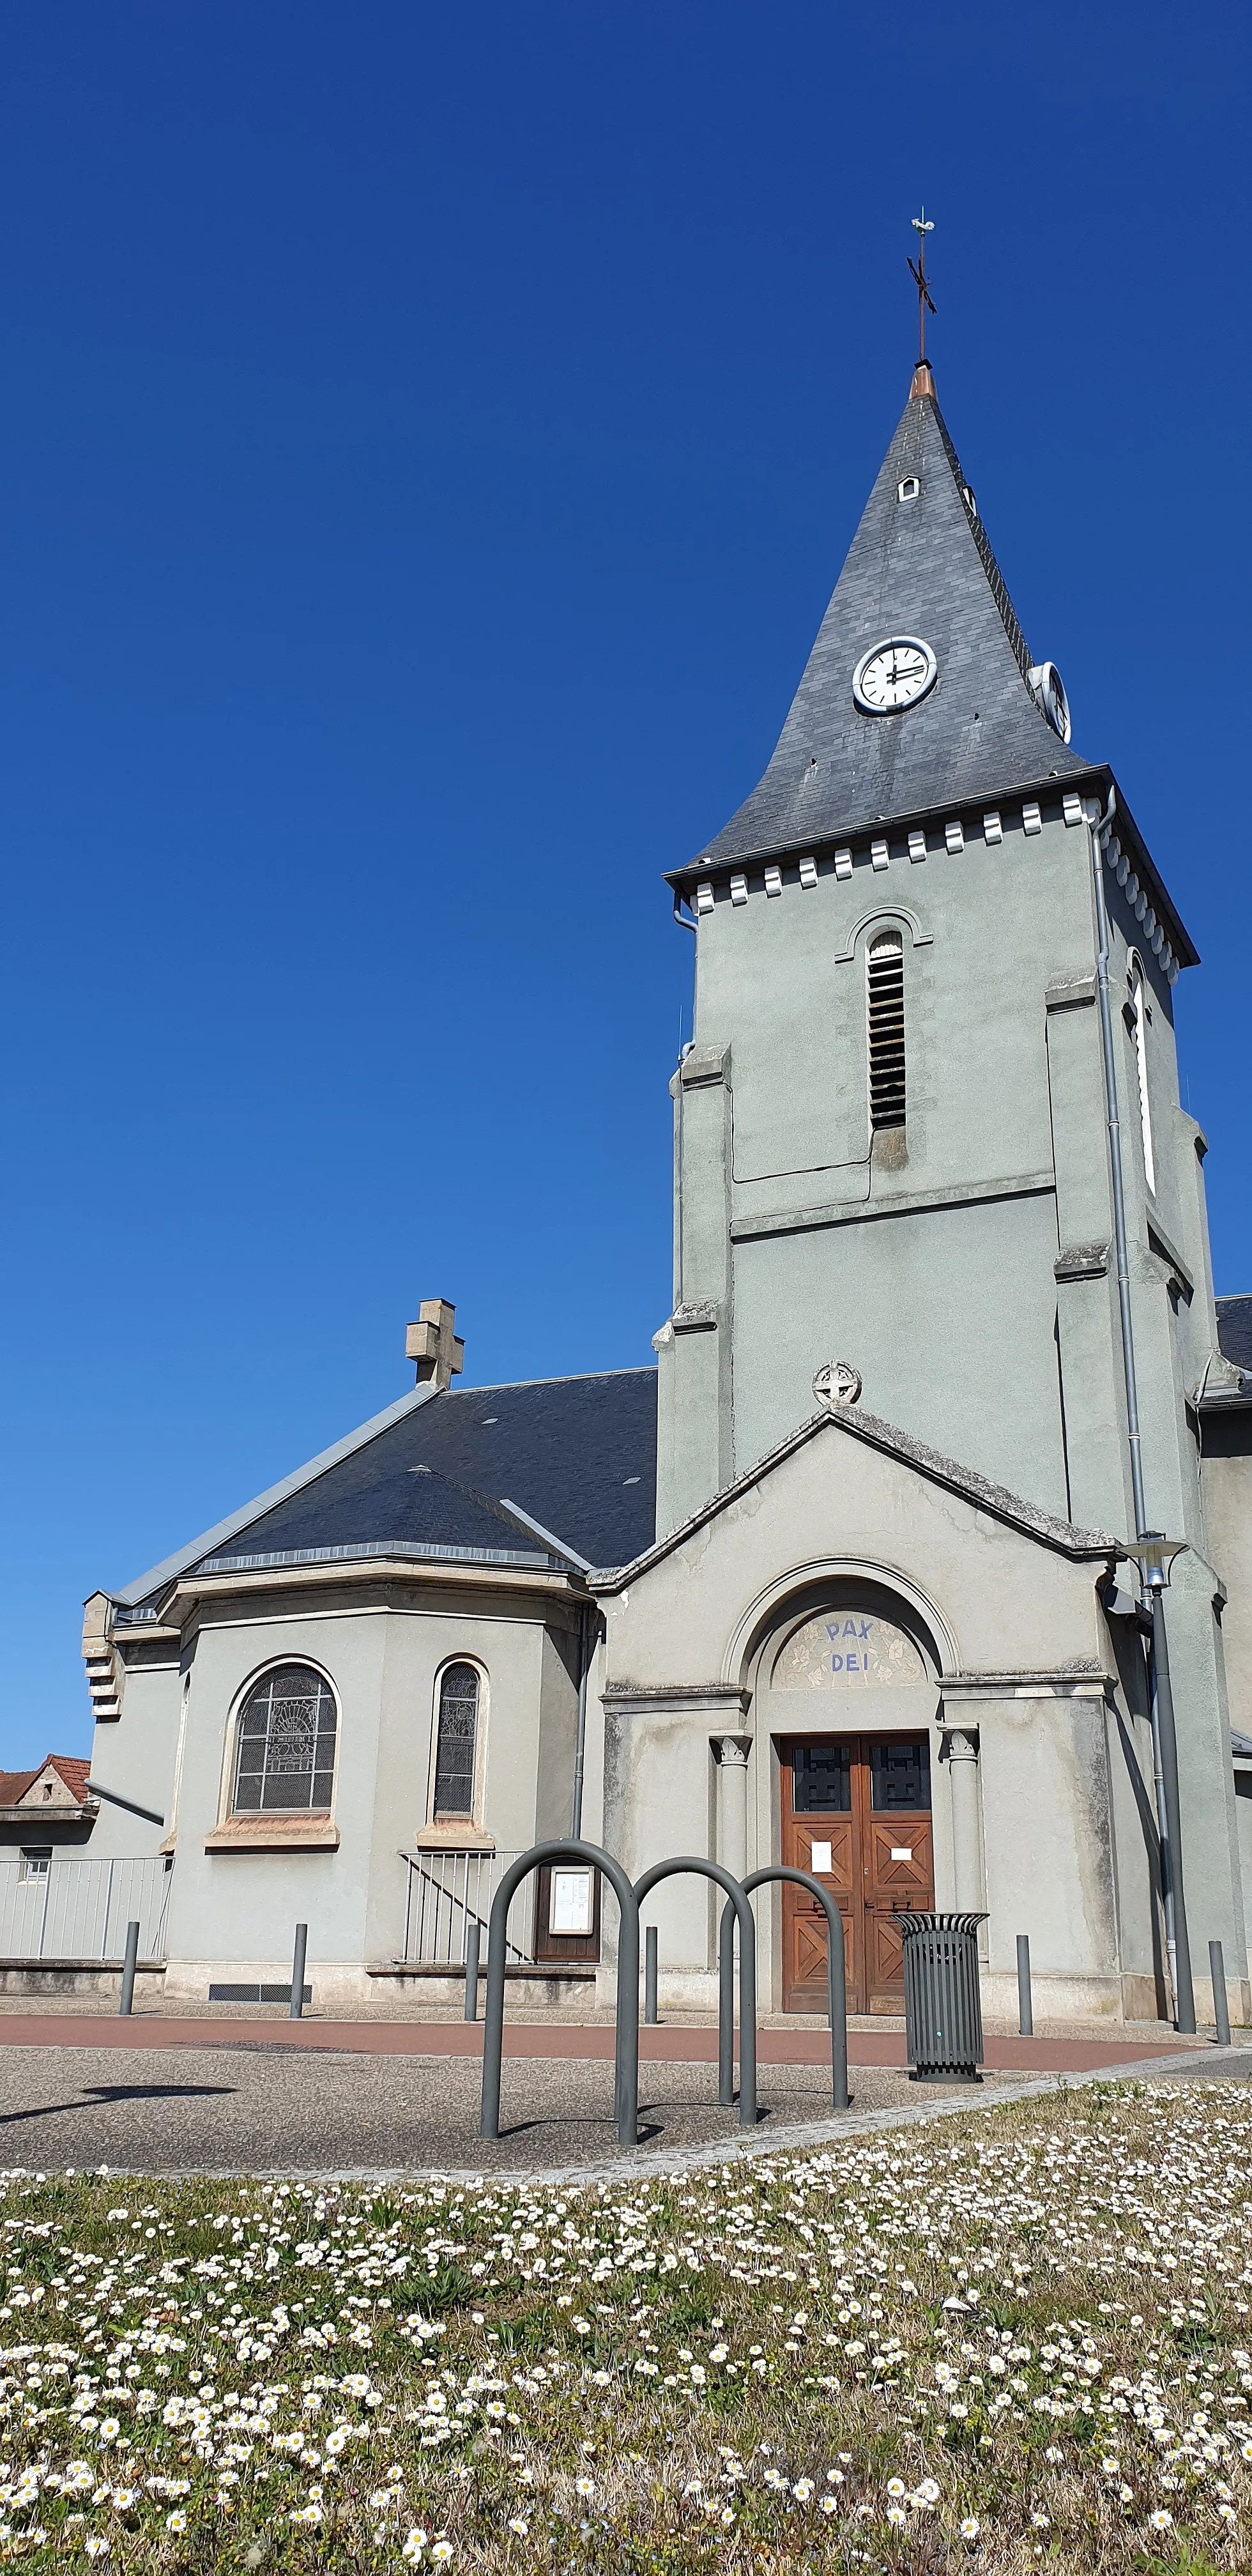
{"x": 570, "y": 1907}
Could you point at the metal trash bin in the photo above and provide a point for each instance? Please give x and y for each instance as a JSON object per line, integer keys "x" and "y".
{"x": 942, "y": 2003}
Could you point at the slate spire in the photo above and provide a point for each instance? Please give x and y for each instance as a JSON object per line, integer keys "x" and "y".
{"x": 920, "y": 564}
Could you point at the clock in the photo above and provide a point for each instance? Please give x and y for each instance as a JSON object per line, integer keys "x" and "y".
{"x": 894, "y": 675}
{"x": 1049, "y": 693}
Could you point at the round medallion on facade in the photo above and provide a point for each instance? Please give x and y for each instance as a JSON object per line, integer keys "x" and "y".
{"x": 894, "y": 675}
{"x": 836, "y": 1382}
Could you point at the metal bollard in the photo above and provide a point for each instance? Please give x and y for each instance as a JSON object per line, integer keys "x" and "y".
{"x": 1025, "y": 2004}
{"x": 473, "y": 1948}
{"x": 942, "y": 2002}
{"x": 297, "y": 1971}
{"x": 126, "y": 2000}
{"x": 1221, "y": 2006}
{"x": 650, "y": 2012}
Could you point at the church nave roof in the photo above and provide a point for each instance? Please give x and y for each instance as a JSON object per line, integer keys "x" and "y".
{"x": 437, "y": 1472}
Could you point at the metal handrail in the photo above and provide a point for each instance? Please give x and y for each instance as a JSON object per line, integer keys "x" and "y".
{"x": 418, "y": 1868}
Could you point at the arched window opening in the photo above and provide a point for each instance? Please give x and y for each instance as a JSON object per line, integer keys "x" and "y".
{"x": 457, "y": 1743}
{"x": 285, "y": 1744}
{"x": 1139, "y": 1010}
{"x": 885, "y": 980}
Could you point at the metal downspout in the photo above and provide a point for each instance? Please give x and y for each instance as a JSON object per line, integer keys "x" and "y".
{"x": 580, "y": 1739}
{"x": 1164, "y": 1737}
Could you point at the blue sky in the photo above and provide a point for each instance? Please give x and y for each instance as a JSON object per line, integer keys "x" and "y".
{"x": 429, "y": 440}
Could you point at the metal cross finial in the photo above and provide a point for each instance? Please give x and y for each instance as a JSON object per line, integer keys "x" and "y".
{"x": 917, "y": 271}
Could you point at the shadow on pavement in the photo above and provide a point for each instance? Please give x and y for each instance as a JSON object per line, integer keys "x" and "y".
{"x": 102, "y": 2093}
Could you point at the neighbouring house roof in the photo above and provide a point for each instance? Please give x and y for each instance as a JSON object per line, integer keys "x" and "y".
{"x": 994, "y": 1499}
{"x": 16, "y": 1786}
{"x": 574, "y": 1457}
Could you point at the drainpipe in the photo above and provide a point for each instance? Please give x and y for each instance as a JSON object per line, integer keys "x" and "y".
{"x": 1164, "y": 1733}
{"x": 585, "y": 1650}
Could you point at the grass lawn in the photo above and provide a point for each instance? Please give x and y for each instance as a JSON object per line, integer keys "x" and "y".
{"x": 1001, "y": 2341}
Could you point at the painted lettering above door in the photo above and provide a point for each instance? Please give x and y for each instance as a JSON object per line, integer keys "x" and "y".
{"x": 847, "y": 1650}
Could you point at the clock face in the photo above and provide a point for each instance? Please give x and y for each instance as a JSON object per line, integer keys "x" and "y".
{"x": 894, "y": 675}
{"x": 1050, "y": 693}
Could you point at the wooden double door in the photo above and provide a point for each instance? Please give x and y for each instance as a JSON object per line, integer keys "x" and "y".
{"x": 856, "y": 1814}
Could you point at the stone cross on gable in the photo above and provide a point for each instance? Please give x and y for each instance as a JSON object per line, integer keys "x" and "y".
{"x": 438, "y": 1351}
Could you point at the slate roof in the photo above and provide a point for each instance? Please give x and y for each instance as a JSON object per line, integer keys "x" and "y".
{"x": 1062, "y": 1536}
{"x": 919, "y": 567}
{"x": 575, "y": 1454}
{"x": 1234, "y": 1330}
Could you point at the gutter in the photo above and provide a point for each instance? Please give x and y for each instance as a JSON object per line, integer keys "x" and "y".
{"x": 822, "y": 843}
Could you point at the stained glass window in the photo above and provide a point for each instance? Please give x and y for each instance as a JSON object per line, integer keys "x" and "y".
{"x": 458, "y": 1739}
{"x": 285, "y": 1756}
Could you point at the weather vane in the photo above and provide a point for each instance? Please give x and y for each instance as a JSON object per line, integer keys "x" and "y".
{"x": 917, "y": 270}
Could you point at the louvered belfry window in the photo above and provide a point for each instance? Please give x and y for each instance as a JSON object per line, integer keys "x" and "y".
{"x": 885, "y": 976}
{"x": 457, "y": 1745}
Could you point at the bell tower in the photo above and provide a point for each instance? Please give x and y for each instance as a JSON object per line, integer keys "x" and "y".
{"x": 890, "y": 1133}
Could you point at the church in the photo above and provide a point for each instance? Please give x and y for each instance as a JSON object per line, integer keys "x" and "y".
{"x": 847, "y": 1580}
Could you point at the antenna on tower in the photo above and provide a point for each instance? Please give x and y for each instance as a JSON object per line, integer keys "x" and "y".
{"x": 917, "y": 271}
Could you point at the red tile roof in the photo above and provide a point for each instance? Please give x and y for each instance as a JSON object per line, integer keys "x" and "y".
{"x": 68, "y": 1766}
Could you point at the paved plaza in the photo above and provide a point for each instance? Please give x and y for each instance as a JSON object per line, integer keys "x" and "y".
{"x": 164, "y": 2096}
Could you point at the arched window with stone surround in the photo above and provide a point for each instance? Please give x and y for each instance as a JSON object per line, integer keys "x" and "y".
{"x": 285, "y": 1744}
{"x": 456, "y": 1743}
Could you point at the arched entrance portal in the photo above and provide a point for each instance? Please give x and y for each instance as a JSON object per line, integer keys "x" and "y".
{"x": 850, "y": 1706}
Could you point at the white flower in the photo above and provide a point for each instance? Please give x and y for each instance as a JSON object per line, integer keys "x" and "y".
{"x": 1160, "y": 2520}
{"x": 95, "y": 2546}
{"x": 176, "y": 2522}
{"x": 896, "y": 2513}
{"x": 969, "y": 2528}
{"x": 584, "y": 2486}
{"x": 830, "y": 2504}
{"x": 442, "y": 2549}
{"x": 414, "y": 2546}
{"x": 895, "y": 2486}
{"x": 520, "y": 2525}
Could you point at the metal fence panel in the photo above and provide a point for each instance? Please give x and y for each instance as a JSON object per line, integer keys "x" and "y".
{"x": 80, "y": 1909}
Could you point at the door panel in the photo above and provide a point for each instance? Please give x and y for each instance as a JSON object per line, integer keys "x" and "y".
{"x": 856, "y": 1815}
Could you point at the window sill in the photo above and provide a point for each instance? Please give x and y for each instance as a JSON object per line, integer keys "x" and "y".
{"x": 466, "y": 1837}
{"x": 274, "y": 1833}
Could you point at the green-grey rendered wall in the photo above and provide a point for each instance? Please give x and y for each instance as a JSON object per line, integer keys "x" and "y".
{"x": 969, "y": 1272}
